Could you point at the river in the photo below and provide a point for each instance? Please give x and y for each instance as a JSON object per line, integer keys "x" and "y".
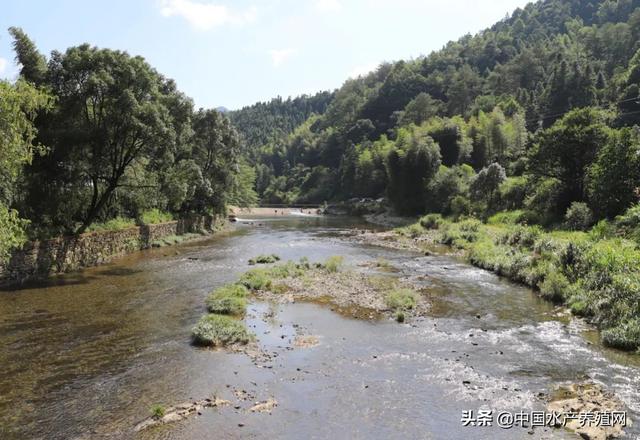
{"x": 85, "y": 356}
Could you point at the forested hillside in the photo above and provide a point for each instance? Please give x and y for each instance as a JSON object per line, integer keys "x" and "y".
{"x": 533, "y": 113}
{"x": 274, "y": 120}
{"x": 95, "y": 138}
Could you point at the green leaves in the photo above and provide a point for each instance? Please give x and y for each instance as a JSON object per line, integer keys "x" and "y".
{"x": 19, "y": 104}
{"x": 12, "y": 233}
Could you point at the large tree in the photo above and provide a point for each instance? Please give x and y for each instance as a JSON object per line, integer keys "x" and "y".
{"x": 216, "y": 149}
{"x": 410, "y": 167}
{"x": 111, "y": 106}
{"x": 567, "y": 149}
{"x": 19, "y": 104}
{"x": 614, "y": 179}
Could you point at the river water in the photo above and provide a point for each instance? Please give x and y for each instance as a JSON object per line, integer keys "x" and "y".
{"x": 85, "y": 356}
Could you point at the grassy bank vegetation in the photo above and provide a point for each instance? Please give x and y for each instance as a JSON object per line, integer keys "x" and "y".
{"x": 173, "y": 239}
{"x": 596, "y": 273}
{"x": 220, "y": 330}
{"x": 228, "y": 300}
{"x": 264, "y": 259}
{"x": 400, "y": 301}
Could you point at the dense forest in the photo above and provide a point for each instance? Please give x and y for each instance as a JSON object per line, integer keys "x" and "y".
{"x": 535, "y": 113}
{"x": 520, "y": 144}
{"x": 95, "y": 138}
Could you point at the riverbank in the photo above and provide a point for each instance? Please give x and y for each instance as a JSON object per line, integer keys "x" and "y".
{"x": 596, "y": 277}
{"x": 40, "y": 259}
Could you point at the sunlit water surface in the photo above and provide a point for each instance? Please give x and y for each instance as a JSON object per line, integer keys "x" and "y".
{"x": 86, "y": 355}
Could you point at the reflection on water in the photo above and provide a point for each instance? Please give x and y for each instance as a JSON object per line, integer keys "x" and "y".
{"x": 86, "y": 355}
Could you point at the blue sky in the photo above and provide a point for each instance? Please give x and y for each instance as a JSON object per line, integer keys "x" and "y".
{"x": 234, "y": 53}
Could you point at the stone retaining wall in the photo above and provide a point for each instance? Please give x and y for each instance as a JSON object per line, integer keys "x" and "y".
{"x": 38, "y": 259}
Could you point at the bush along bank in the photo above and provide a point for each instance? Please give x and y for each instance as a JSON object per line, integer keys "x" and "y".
{"x": 596, "y": 273}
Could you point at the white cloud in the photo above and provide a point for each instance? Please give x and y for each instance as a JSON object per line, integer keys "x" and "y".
{"x": 3, "y": 65}
{"x": 205, "y": 16}
{"x": 279, "y": 56}
{"x": 328, "y": 5}
{"x": 362, "y": 70}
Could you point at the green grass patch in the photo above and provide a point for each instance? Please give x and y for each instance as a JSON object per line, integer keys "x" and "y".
{"x": 263, "y": 278}
{"x": 155, "y": 216}
{"x": 333, "y": 264}
{"x": 555, "y": 287}
{"x": 219, "y": 331}
{"x": 411, "y": 231}
{"x": 264, "y": 259}
{"x": 507, "y": 218}
{"x": 115, "y": 224}
{"x": 228, "y": 300}
{"x": 400, "y": 300}
{"x": 157, "y": 411}
{"x": 256, "y": 279}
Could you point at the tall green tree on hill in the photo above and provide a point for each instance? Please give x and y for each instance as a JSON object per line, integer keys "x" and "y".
{"x": 410, "y": 166}
{"x": 566, "y": 150}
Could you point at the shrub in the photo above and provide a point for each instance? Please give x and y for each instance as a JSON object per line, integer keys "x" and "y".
{"x": 256, "y": 279}
{"x": 485, "y": 254}
{"x": 460, "y": 234}
{"x": 578, "y": 216}
{"x": 333, "y": 264}
{"x": 413, "y": 231}
{"x": 579, "y": 307}
{"x": 264, "y": 259}
{"x": 507, "y": 218}
{"x": 155, "y": 216}
{"x": 555, "y": 287}
{"x": 629, "y": 223}
{"x": 228, "y": 300}
{"x": 630, "y": 219}
{"x": 460, "y": 206}
{"x": 512, "y": 192}
{"x": 625, "y": 336}
{"x": 220, "y": 330}
{"x": 401, "y": 299}
{"x": 602, "y": 230}
{"x": 545, "y": 200}
{"x": 431, "y": 221}
{"x": 304, "y": 263}
{"x": 157, "y": 411}
{"x": 486, "y": 184}
{"x": 288, "y": 269}
{"x": 524, "y": 236}
{"x": 470, "y": 225}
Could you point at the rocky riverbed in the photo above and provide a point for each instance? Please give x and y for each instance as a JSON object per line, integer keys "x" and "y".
{"x": 350, "y": 292}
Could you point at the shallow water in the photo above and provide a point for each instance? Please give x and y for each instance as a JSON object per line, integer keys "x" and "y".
{"x": 86, "y": 355}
